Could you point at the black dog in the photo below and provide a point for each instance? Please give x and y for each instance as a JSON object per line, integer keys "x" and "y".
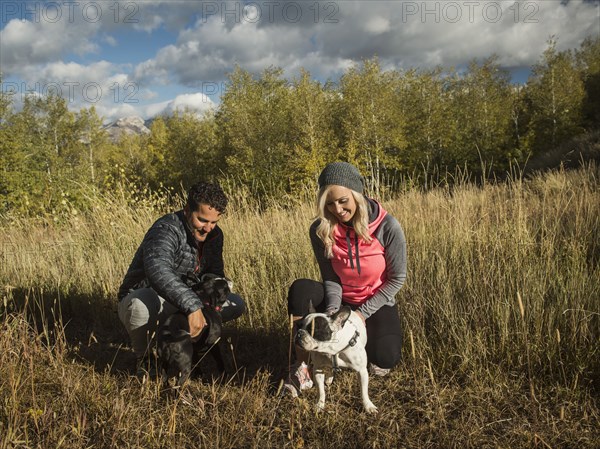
{"x": 177, "y": 353}
{"x": 175, "y": 349}
{"x": 213, "y": 290}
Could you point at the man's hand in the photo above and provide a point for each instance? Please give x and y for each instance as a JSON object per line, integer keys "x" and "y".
{"x": 197, "y": 322}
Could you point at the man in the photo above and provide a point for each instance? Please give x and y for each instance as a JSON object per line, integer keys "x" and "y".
{"x": 176, "y": 251}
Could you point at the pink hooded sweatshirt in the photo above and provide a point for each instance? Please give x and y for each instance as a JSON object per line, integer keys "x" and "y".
{"x": 363, "y": 275}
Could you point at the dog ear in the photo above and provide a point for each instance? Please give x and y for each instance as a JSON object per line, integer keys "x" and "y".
{"x": 303, "y": 323}
{"x": 221, "y": 284}
{"x": 207, "y": 276}
{"x": 341, "y": 316}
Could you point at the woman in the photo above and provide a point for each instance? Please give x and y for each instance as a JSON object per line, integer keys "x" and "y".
{"x": 361, "y": 252}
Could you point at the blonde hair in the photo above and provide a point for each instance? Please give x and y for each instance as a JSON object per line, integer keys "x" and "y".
{"x": 360, "y": 220}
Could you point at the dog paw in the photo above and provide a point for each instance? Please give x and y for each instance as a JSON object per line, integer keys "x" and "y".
{"x": 320, "y": 406}
{"x": 371, "y": 409}
{"x": 328, "y": 380}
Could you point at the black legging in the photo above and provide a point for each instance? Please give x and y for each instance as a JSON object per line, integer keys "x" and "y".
{"x": 384, "y": 330}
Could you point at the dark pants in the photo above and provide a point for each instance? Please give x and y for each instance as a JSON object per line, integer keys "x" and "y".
{"x": 384, "y": 330}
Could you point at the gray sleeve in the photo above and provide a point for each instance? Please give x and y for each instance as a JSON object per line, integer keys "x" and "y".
{"x": 160, "y": 248}
{"x": 331, "y": 281}
{"x": 391, "y": 237}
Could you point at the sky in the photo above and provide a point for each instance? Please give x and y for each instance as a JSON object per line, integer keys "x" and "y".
{"x": 147, "y": 58}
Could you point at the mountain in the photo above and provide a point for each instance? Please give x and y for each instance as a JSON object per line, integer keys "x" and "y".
{"x": 132, "y": 125}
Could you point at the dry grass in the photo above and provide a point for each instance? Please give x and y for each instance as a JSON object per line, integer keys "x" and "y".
{"x": 501, "y": 312}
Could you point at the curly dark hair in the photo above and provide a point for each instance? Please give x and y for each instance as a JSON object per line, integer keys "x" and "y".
{"x": 207, "y": 193}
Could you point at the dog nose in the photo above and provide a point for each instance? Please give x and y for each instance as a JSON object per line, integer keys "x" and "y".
{"x": 300, "y": 335}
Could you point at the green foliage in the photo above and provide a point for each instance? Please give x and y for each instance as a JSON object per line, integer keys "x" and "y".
{"x": 41, "y": 155}
{"x": 425, "y": 102}
{"x": 555, "y": 94}
{"x": 371, "y": 123}
{"x": 271, "y": 136}
{"x": 313, "y": 140}
{"x": 482, "y": 104}
{"x": 588, "y": 65}
{"x": 182, "y": 149}
{"x": 254, "y": 123}
{"x": 95, "y": 160}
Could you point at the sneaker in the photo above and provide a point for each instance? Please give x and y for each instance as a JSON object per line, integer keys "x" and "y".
{"x": 377, "y": 371}
{"x": 298, "y": 380}
{"x": 146, "y": 368}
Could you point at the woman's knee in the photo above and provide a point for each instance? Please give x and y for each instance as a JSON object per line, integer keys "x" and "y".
{"x": 302, "y": 293}
{"x": 234, "y": 309}
{"x": 386, "y": 351}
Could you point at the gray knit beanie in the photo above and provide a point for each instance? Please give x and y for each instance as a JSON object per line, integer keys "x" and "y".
{"x": 342, "y": 174}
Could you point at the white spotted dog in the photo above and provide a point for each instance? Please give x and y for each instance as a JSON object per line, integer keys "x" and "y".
{"x": 336, "y": 341}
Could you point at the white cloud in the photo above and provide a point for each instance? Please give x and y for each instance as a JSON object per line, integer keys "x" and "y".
{"x": 73, "y": 72}
{"x": 27, "y": 43}
{"x": 38, "y": 33}
{"x": 325, "y": 38}
{"x": 197, "y": 103}
{"x": 151, "y": 71}
{"x": 401, "y": 34}
{"x": 151, "y": 23}
{"x": 100, "y": 84}
{"x": 377, "y": 25}
{"x": 110, "y": 40}
{"x": 113, "y": 111}
{"x": 209, "y": 51}
{"x": 155, "y": 109}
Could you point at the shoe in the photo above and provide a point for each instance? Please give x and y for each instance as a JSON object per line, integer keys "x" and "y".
{"x": 146, "y": 368}
{"x": 298, "y": 380}
{"x": 377, "y": 371}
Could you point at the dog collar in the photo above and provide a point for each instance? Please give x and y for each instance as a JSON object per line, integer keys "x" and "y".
{"x": 354, "y": 338}
{"x": 352, "y": 342}
{"x": 215, "y": 308}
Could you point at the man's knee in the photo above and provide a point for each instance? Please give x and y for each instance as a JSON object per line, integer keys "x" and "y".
{"x": 138, "y": 308}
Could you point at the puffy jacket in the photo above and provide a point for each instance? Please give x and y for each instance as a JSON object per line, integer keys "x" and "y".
{"x": 169, "y": 261}
{"x": 364, "y": 275}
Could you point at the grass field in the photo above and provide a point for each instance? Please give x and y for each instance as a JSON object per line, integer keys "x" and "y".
{"x": 501, "y": 314}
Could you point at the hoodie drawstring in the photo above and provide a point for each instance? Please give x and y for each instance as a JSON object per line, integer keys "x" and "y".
{"x": 349, "y": 244}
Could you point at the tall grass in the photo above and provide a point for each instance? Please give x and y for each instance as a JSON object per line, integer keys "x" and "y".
{"x": 501, "y": 314}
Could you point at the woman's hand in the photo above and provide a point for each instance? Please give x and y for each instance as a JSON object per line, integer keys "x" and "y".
{"x": 361, "y": 316}
{"x": 331, "y": 311}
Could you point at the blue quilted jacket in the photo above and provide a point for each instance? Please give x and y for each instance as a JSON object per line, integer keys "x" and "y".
{"x": 170, "y": 261}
